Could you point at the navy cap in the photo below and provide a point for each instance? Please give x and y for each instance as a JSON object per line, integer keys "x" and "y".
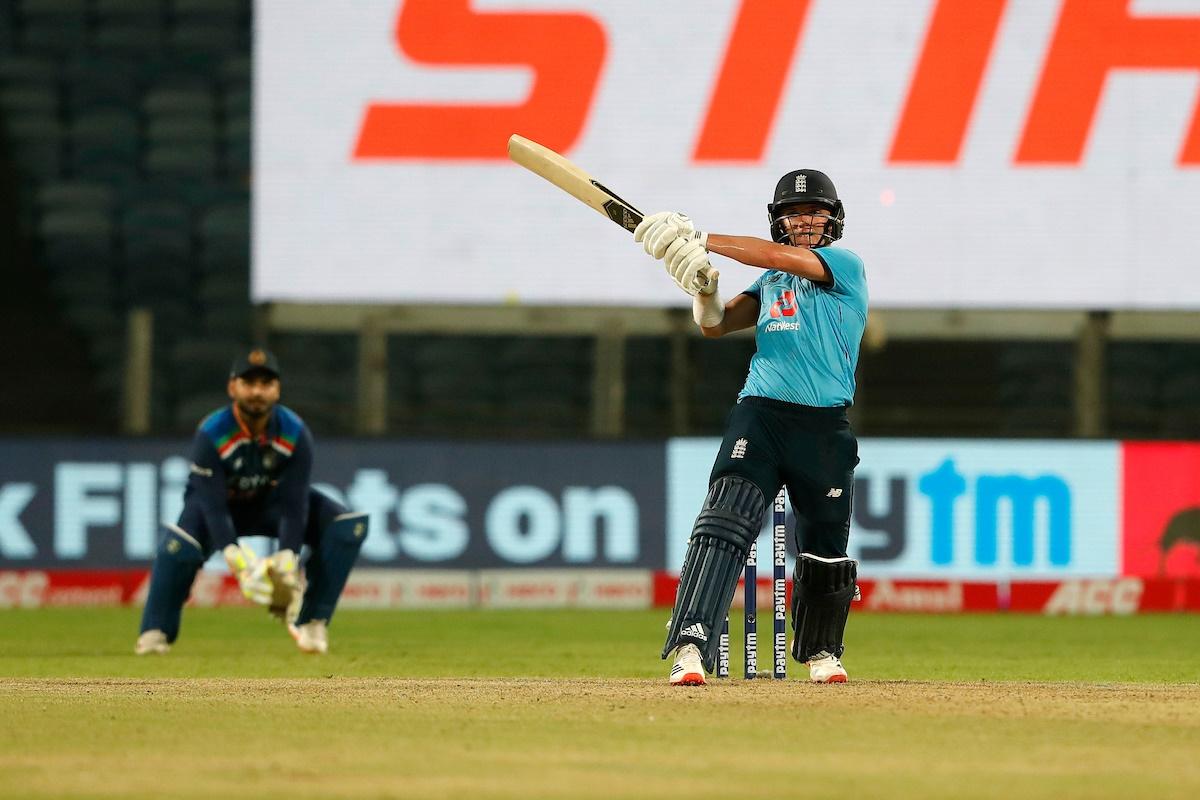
{"x": 256, "y": 360}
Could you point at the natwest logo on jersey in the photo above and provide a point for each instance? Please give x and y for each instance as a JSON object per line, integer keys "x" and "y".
{"x": 374, "y": 126}
{"x": 785, "y": 306}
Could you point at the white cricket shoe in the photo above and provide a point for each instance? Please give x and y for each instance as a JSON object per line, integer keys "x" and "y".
{"x": 689, "y": 668}
{"x": 825, "y": 667}
{"x": 152, "y": 643}
{"x": 311, "y": 637}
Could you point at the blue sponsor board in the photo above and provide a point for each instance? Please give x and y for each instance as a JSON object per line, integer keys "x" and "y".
{"x": 86, "y": 503}
{"x": 953, "y": 508}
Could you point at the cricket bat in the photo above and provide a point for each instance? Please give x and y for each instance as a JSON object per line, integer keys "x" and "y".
{"x": 574, "y": 181}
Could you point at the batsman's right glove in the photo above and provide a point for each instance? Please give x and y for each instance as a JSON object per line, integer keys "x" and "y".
{"x": 707, "y": 308}
{"x": 251, "y": 573}
{"x": 687, "y": 263}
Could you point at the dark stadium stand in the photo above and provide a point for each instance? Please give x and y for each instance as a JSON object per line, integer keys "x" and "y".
{"x": 1036, "y": 388}
{"x": 1154, "y": 389}
{"x": 495, "y": 386}
{"x": 127, "y": 122}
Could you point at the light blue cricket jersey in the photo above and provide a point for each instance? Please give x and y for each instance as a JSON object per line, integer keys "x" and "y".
{"x": 807, "y": 335}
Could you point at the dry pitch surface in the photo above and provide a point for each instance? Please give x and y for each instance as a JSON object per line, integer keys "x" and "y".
{"x": 103, "y": 724}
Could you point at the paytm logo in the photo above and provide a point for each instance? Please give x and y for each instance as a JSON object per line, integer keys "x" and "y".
{"x": 1011, "y": 497}
{"x": 954, "y": 509}
{"x": 986, "y": 509}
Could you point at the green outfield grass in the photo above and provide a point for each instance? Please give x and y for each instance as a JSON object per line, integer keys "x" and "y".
{"x": 575, "y": 704}
{"x": 245, "y": 643}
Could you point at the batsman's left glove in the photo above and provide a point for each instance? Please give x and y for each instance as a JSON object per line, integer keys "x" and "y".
{"x": 657, "y": 231}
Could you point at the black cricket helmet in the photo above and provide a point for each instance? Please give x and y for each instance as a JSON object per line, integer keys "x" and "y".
{"x": 806, "y": 186}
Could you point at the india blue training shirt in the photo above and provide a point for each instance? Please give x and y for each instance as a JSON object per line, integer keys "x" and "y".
{"x": 807, "y": 335}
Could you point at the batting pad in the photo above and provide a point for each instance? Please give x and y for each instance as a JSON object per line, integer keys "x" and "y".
{"x": 721, "y": 538}
{"x": 821, "y": 604}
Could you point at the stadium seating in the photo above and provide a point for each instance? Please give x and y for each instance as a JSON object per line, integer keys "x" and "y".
{"x": 1036, "y": 388}
{"x": 1134, "y": 387}
{"x": 647, "y": 398}
{"x": 718, "y": 369}
{"x": 544, "y": 385}
{"x": 128, "y": 123}
{"x": 931, "y": 388}
{"x": 319, "y": 375}
{"x": 1154, "y": 389}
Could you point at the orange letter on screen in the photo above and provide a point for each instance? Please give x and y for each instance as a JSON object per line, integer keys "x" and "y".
{"x": 757, "y": 61}
{"x": 565, "y": 51}
{"x": 946, "y": 81}
{"x": 1092, "y": 38}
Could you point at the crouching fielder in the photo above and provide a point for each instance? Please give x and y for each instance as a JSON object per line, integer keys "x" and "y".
{"x": 250, "y": 477}
{"x": 789, "y": 426}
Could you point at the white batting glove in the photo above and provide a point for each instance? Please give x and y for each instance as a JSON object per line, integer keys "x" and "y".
{"x": 687, "y": 263}
{"x": 707, "y": 308}
{"x": 251, "y": 573}
{"x": 657, "y": 231}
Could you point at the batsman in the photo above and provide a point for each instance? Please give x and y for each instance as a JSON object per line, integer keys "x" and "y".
{"x": 789, "y": 425}
{"x": 251, "y": 462}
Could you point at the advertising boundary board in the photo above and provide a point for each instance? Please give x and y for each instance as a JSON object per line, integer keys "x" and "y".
{"x": 611, "y": 589}
{"x": 951, "y": 512}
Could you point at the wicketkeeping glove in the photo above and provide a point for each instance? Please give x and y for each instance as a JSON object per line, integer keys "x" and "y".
{"x": 251, "y": 573}
{"x": 283, "y": 568}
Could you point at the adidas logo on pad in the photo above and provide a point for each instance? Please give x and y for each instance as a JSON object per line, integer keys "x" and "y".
{"x": 695, "y": 631}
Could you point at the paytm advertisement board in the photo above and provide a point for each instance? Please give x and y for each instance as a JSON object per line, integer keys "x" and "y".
{"x": 1012, "y": 153}
{"x": 953, "y": 508}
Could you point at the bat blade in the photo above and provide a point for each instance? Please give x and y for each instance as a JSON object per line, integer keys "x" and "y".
{"x": 573, "y": 180}
{"x": 569, "y": 177}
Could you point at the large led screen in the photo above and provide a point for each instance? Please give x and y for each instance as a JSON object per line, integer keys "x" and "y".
{"x": 990, "y": 153}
